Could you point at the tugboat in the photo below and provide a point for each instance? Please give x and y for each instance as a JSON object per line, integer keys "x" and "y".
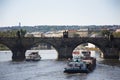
{"x": 34, "y": 56}
{"x": 81, "y": 64}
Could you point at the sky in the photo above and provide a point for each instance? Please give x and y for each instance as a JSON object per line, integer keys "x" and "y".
{"x": 59, "y": 12}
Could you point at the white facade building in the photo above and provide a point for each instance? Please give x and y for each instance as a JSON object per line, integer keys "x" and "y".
{"x": 34, "y": 34}
{"x": 54, "y": 34}
{"x": 118, "y": 30}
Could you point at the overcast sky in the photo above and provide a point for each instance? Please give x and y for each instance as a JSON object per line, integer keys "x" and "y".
{"x": 59, "y": 12}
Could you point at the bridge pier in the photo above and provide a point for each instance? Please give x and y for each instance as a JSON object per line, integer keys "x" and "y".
{"x": 64, "y": 53}
{"x": 18, "y": 54}
{"x": 111, "y": 53}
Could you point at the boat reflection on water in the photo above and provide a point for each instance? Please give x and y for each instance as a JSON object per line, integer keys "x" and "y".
{"x": 34, "y": 56}
{"x": 83, "y": 63}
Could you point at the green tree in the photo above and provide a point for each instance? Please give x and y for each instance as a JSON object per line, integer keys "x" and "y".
{"x": 23, "y": 32}
{"x": 76, "y": 35}
{"x": 105, "y": 33}
{"x": 116, "y": 34}
{"x": 12, "y": 33}
{"x": 8, "y": 33}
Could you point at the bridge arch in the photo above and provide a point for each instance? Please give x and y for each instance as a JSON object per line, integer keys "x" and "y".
{"x": 5, "y": 53}
{"x": 44, "y": 43}
{"x": 84, "y": 46}
{"x": 6, "y": 45}
{"x": 97, "y": 44}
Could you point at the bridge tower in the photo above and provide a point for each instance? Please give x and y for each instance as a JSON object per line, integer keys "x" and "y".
{"x": 65, "y": 34}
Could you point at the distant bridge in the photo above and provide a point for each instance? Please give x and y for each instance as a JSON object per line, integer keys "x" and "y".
{"x": 64, "y": 46}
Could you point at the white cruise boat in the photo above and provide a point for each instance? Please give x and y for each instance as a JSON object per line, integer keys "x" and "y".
{"x": 34, "y": 56}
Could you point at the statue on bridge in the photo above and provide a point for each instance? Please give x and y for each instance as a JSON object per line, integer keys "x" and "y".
{"x": 111, "y": 37}
{"x": 65, "y": 34}
{"x": 18, "y": 34}
{"x": 21, "y": 33}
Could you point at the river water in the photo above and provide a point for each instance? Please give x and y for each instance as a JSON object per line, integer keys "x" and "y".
{"x": 51, "y": 69}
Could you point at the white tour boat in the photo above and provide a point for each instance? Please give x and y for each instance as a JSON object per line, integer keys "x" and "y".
{"x": 34, "y": 56}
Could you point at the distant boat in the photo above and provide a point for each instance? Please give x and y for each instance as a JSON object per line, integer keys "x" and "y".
{"x": 34, "y": 56}
{"x": 83, "y": 64}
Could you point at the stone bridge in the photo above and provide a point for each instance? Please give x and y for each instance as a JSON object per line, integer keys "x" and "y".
{"x": 64, "y": 46}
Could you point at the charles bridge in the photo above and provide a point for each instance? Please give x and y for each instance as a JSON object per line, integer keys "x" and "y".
{"x": 110, "y": 47}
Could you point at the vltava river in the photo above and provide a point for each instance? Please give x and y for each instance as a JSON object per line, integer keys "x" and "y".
{"x": 50, "y": 69}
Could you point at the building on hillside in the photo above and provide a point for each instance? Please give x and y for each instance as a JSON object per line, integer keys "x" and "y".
{"x": 71, "y": 33}
{"x": 29, "y": 35}
{"x": 117, "y": 30}
{"x": 34, "y": 34}
{"x": 78, "y": 33}
{"x": 83, "y": 32}
{"x": 54, "y": 34}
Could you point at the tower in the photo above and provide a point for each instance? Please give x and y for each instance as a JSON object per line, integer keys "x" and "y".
{"x": 65, "y": 34}
{"x": 19, "y": 24}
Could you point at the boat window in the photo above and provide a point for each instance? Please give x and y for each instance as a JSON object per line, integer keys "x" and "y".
{"x": 70, "y": 65}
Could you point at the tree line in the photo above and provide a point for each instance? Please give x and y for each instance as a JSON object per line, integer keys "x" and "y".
{"x": 107, "y": 33}
{"x": 11, "y": 33}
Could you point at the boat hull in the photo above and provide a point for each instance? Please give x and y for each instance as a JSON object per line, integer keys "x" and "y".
{"x": 32, "y": 59}
{"x": 76, "y": 71}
